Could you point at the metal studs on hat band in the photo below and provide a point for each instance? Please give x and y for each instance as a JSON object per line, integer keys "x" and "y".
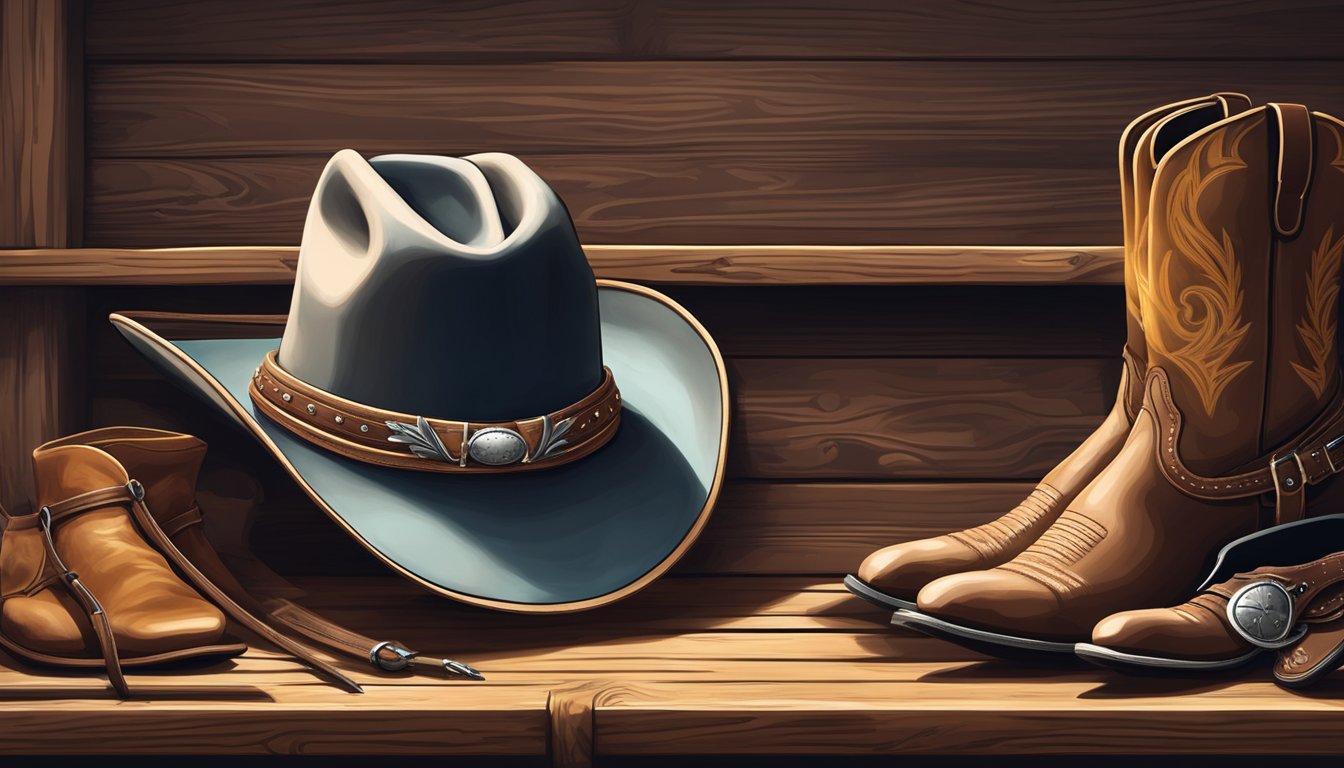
{"x": 340, "y": 419}
{"x": 363, "y": 427}
{"x": 312, "y": 409}
{"x": 286, "y": 397}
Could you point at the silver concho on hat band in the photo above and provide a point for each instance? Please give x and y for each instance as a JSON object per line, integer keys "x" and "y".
{"x": 1262, "y": 613}
{"x": 497, "y": 447}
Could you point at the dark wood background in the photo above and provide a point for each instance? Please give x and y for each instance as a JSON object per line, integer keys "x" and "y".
{"x": 862, "y": 414}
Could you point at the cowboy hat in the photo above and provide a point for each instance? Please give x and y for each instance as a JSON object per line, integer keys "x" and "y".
{"x": 456, "y": 390}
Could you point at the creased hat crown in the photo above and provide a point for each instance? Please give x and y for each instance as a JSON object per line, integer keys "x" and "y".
{"x": 444, "y": 287}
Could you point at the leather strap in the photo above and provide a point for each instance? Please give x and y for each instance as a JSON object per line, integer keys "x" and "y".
{"x": 1316, "y": 454}
{"x": 389, "y": 656}
{"x": 408, "y": 441}
{"x": 93, "y": 610}
{"x": 1295, "y": 165}
{"x": 1318, "y": 646}
{"x": 132, "y": 494}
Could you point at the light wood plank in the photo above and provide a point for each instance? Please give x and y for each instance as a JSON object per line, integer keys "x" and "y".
{"x": 963, "y": 713}
{"x": 676, "y": 265}
{"x": 425, "y": 30}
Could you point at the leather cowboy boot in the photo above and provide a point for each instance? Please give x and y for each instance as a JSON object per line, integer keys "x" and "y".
{"x": 80, "y": 586}
{"x": 892, "y": 576}
{"x": 1296, "y": 610}
{"x": 1242, "y": 409}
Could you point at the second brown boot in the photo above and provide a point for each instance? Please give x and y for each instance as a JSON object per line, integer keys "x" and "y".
{"x": 1242, "y": 422}
{"x": 892, "y": 576}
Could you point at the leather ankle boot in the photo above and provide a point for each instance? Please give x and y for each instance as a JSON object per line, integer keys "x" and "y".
{"x": 79, "y": 584}
{"x": 892, "y": 576}
{"x": 1244, "y": 609}
{"x": 1242, "y": 417}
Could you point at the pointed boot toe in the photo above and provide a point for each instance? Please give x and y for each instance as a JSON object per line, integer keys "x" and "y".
{"x": 901, "y": 570}
{"x": 995, "y": 600}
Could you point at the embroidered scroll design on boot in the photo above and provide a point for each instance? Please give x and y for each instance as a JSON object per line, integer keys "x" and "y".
{"x": 1200, "y": 325}
{"x": 1317, "y": 328}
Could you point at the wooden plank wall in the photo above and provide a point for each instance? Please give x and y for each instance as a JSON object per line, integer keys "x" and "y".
{"x": 863, "y": 414}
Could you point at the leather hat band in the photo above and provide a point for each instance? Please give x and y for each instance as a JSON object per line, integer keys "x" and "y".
{"x": 406, "y": 441}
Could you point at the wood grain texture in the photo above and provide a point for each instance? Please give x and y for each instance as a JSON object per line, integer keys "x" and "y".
{"x": 42, "y": 329}
{"x": 656, "y": 265}
{"x": 945, "y": 115}
{"x": 200, "y": 718}
{"x": 913, "y": 418}
{"x": 962, "y": 714}
{"x": 689, "y": 196}
{"x": 41, "y": 169}
{"x": 424, "y": 30}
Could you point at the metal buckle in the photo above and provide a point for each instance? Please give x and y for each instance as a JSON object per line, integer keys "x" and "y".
{"x": 1262, "y": 614}
{"x": 1288, "y": 482}
{"x": 403, "y": 660}
{"x": 1330, "y": 446}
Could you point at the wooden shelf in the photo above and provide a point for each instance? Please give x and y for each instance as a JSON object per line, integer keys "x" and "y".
{"x": 677, "y": 265}
{"x": 769, "y": 665}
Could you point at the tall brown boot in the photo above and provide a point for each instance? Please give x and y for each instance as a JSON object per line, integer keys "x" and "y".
{"x": 892, "y": 576}
{"x": 1242, "y": 410}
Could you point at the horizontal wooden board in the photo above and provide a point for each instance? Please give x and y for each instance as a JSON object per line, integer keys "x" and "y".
{"x": 685, "y": 683}
{"x": 932, "y": 115}
{"x": 761, "y": 528}
{"x": 775, "y": 265}
{"x": 673, "y": 197}
{"x": 425, "y": 30}
{"x": 963, "y": 714}
{"x": 812, "y": 321}
{"x": 836, "y": 419}
{"x": 913, "y": 418}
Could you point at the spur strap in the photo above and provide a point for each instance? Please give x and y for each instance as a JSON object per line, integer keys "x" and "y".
{"x": 1295, "y": 610}
{"x": 407, "y": 441}
{"x": 387, "y": 655}
{"x": 1314, "y": 456}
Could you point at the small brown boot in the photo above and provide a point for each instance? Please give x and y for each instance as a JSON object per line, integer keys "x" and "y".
{"x": 1242, "y": 423}
{"x": 79, "y": 584}
{"x": 892, "y": 576}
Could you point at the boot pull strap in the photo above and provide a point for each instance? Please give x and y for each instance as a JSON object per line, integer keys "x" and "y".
{"x": 1295, "y": 165}
{"x": 102, "y": 628}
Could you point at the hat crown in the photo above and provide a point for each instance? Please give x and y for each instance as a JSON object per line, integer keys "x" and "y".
{"x": 453, "y": 288}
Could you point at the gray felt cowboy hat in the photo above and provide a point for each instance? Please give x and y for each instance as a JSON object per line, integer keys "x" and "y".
{"x": 453, "y": 387}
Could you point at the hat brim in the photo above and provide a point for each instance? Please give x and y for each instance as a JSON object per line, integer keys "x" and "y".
{"x": 569, "y": 538}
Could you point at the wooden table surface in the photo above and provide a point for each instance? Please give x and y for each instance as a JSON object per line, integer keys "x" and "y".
{"x": 692, "y": 666}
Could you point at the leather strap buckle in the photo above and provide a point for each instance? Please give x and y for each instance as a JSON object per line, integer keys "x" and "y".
{"x": 1330, "y": 460}
{"x": 403, "y": 654}
{"x": 1288, "y": 482}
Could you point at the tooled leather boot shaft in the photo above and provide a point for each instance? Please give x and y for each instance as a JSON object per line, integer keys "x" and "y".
{"x": 1242, "y": 292}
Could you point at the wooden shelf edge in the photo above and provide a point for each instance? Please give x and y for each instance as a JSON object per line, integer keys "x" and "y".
{"x": 761, "y": 265}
